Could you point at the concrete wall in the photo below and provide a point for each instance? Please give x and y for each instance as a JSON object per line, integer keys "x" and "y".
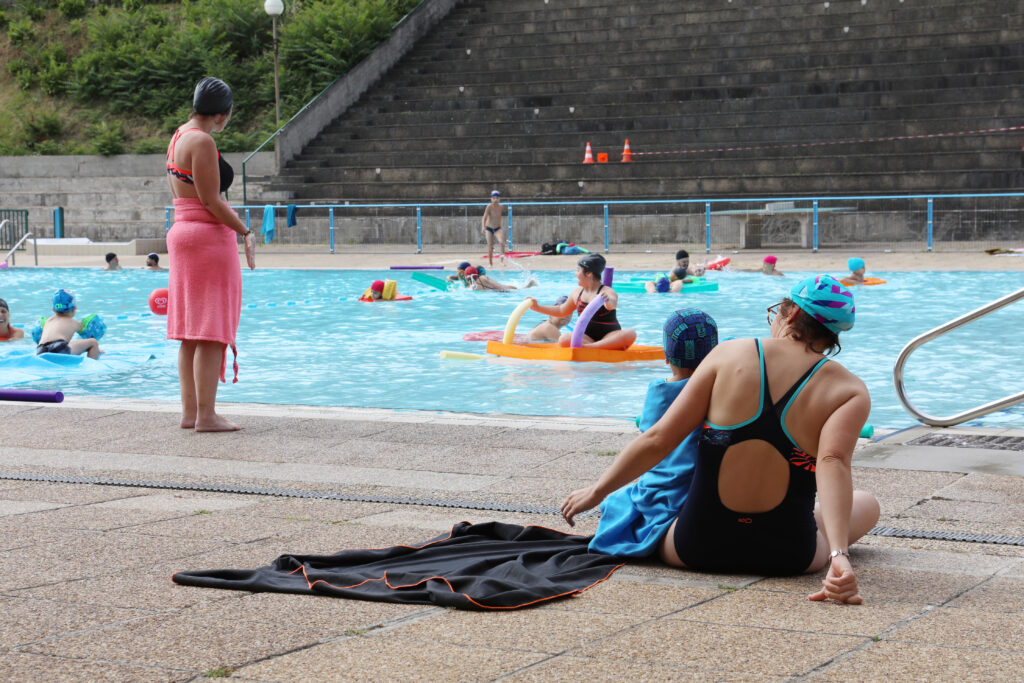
{"x": 119, "y": 165}
{"x": 345, "y": 91}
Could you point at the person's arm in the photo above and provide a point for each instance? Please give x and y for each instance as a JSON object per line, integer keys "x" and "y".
{"x": 206, "y": 176}
{"x": 483, "y": 219}
{"x": 611, "y": 298}
{"x": 835, "y": 492}
{"x": 560, "y": 311}
{"x": 645, "y": 451}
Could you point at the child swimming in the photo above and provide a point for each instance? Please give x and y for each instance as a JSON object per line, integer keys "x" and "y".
{"x": 59, "y": 329}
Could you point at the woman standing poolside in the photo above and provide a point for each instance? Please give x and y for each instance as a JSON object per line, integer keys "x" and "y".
{"x": 205, "y": 279}
{"x": 791, "y": 420}
{"x": 603, "y": 331}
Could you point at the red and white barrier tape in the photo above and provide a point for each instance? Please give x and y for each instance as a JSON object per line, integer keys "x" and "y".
{"x": 834, "y": 142}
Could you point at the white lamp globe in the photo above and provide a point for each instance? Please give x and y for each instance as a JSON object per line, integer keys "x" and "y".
{"x": 273, "y": 7}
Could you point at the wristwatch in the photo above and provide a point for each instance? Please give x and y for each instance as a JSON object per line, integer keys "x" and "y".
{"x": 835, "y": 553}
{"x": 246, "y": 233}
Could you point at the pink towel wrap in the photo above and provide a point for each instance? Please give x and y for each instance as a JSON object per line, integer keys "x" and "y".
{"x": 205, "y": 279}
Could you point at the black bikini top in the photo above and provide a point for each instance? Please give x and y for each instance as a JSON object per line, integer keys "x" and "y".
{"x": 227, "y": 174}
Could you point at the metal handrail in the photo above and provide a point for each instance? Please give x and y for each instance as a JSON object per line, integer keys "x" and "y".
{"x": 10, "y": 254}
{"x": 897, "y": 371}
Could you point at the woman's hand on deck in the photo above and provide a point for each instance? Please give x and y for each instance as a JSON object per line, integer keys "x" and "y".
{"x": 579, "y": 501}
{"x": 840, "y": 583}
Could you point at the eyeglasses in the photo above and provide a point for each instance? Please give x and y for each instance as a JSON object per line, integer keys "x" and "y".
{"x": 772, "y": 312}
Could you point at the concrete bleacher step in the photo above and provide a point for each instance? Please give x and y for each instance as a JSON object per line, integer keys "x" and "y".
{"x": 485, "y": 100}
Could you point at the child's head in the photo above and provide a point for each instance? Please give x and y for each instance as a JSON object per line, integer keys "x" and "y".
{"x": 768, "y": 265}
{"x": 462, "y": 266}
{"x": 683, "y": 258}
{"x": 377, "y": 289}
{"x": 472, "y": 272}
{"x": 556, "y": 321}
{"x": 690, "y": 334}
{"x": 153, "y": 259}
{"x": 111, "y": 258}
{"x": 63, "y": 302}
{"x": 592, "y": 264}
{"x": 5, "y": 311}
{"x": 856, "y": 265}
{"x": 662, "y": 284}
{"x": 495, "y": 196}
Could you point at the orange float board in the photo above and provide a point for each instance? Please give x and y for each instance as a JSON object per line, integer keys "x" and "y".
{"x": 565, "y": 353}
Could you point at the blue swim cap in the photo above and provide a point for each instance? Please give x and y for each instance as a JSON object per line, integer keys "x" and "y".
{"x": 690, "y": 334}
{"x": 826, "y": 300}
{"x": 662, "y": 284}
{"x": 463, "y": 265}
{"x": 63, "y": 301}
{"x": 855, "y": 264}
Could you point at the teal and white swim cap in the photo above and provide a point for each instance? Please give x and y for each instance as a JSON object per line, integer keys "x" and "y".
{"x": 826, "y": 300}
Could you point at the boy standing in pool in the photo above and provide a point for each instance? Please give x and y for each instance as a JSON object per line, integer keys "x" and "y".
{"x": 634, "y": 518}
{"x": 62, "y": 326}
{"x": 492, "y": 226}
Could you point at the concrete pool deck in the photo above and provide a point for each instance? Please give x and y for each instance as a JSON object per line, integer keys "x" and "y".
{"x": 86, "y": 592}
{"x": 89, "y": 542}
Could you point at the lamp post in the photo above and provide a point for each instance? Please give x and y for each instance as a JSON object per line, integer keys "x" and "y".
{"x": 274, "y": 8}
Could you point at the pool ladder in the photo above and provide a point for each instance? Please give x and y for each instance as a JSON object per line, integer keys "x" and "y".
{"x": 897, "y": 371}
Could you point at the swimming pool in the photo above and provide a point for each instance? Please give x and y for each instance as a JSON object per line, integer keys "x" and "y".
{"x": 304, "y": 339}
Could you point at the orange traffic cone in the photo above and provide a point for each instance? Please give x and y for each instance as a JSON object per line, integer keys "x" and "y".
{"x": 627, "y": 156}
{"x": 588, "y": 158}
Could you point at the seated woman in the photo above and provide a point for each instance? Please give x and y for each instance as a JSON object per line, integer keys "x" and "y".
{"x": 603, "y": 331}
{"x": 551, "y": 329}
{"x": 780, "y": 422}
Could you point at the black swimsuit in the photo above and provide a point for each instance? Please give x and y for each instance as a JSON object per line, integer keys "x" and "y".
{"x": 782, "y": 541}
{"x": 227, "y": 174}
{"x": 604, "y": 321}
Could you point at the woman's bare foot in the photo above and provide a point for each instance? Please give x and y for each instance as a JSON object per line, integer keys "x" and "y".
{"x": 217, "y": 424}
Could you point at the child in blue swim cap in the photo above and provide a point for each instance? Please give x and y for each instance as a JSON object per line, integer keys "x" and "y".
{"x": 58, "y": 330}
{"x": 857, "y": 268}
{"x": 634, "y": 518}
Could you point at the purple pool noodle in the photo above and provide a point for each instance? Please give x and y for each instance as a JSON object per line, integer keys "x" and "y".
{"x": 417, "y": 267}
{"x": 31, "y": 395}
{"x": 576, "y": 341}
{"x": 609, "y": 273}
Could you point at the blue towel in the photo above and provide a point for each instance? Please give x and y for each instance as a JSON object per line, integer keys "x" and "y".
{"x": 290, "y": 222}
{"x": 268, "y": 223}
{"x": 634, "y": 518}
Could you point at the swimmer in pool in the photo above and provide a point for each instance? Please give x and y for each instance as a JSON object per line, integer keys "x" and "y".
{"x": 683, "y": 261}
{"x": 857, "y": 268}
{"x": 767, "y": 267}
{"x": 603, "y": 331}
{"x": 460, "y": 273}
{"x": 551, "y": 329}
{"x": 377, "y": 289}
{"x": 673, "y": 283}
{"x": 8, "y": 332}
{"x": 62, "y": 326}
{"x": 478, "y": 281}
{"x": 153, "y": 262}
{"x": 492, "y": 226}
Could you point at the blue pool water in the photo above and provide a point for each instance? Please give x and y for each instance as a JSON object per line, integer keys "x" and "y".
{"x": 304, "y": 339}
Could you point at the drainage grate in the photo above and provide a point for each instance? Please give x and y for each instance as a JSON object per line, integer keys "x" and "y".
{"x": 436, "y": 502}
{"x": 997, "y": 443}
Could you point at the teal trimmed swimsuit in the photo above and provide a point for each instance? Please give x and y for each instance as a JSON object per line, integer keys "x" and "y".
{"x": 782, "y": 541}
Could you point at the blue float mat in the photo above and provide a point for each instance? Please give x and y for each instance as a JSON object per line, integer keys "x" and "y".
{"x": 18, "y": 367}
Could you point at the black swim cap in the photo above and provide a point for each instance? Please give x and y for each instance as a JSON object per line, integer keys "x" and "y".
{"x": 3, "y": 304}
{"x": 593, "y": 264}
{"x": 682, "y": 253}
{"x": 212, "y": 96}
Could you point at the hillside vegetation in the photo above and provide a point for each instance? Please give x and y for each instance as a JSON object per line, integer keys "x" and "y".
{"x": 116, "y": 76}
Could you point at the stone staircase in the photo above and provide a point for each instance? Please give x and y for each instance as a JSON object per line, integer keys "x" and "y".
{"x": 507, "y": 93}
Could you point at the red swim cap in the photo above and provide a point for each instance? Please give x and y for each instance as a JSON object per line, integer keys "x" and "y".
{"x": 771, "y": 259}
{"x": 471, "y": 271}
{"x": 377, "y": 286}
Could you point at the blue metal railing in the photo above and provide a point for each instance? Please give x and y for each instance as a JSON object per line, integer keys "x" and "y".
{"x": 708, "y": 206}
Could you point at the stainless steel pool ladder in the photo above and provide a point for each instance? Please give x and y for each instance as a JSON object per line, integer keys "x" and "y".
{"x": 897, "y": 371}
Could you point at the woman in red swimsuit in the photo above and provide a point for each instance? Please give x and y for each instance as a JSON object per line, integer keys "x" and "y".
{"x": 205, "y": 279}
